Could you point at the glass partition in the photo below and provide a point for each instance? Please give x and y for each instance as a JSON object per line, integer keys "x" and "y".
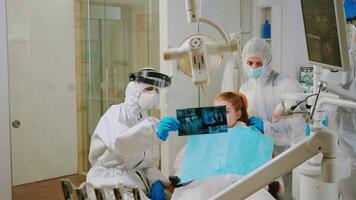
{"x": 120, "y": 37}
{"x": 68, "y": 62}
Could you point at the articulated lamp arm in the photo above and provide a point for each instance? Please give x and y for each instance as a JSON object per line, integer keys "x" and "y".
{"x": 323, "y": 141}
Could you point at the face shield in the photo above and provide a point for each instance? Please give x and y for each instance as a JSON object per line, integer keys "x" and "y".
{"x": 149, "y": 98}
{"x": 151, "y": 77}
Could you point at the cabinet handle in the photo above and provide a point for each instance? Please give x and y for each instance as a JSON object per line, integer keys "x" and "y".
{"x": 16, "y": 123}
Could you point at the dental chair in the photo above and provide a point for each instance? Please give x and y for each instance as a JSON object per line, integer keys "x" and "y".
{"x": 68, "y": 189}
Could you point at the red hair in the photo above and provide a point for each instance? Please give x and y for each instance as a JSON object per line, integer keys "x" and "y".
{"x": 238, "y": 102}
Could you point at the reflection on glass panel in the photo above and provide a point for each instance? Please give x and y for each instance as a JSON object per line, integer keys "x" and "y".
{"x": 66, "y": 69}
{"x": 120, "y": 37}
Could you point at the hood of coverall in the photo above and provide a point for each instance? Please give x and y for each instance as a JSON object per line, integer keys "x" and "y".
{"x": 257, "y": 47}
{"x": 132, "y": 92}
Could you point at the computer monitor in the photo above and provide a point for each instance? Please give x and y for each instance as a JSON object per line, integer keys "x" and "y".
{"x": 306, "y": 79}
{"x": 324, "y": 24}
{"x": 350, "y": 10}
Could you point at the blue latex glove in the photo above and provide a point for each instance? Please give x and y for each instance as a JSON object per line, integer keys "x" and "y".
{"x": 257, "y": 123}
{"x": 307, "y": 129}
{"x": 166, "y": 125}
{"x": 157, "y": 191}
{"x": 325, "y": 123}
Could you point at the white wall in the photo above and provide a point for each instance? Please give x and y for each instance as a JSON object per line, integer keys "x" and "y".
{"x": 294, "y": 42}
{"x": 246, "y": 21}
{"x": 5, "y": 164}
{"x": 173, "y": 29}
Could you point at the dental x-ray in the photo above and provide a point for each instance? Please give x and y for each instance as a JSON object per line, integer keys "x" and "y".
{"x": 203, "y": 120}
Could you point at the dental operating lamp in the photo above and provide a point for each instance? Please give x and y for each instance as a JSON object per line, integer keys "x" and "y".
{"x": 203, "y": 52}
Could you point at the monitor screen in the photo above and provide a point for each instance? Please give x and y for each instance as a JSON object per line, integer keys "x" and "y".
{"x": 306, "y": 79}
{"x": 322, "y": 34}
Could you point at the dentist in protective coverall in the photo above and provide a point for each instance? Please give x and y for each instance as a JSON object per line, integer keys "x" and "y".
{"x": 343, "y": 123}
{"x": 345, "y": 127}
{"x": 124, "y": 145}
{"x": 263, "y": 90}
{"x": 343, "y": 120}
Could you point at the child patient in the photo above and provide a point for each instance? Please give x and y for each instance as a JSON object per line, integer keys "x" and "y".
{"x": 236, "y": 115}
{"x": 236, "y": 106}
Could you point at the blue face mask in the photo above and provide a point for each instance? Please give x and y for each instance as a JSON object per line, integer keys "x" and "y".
{"x": 255, "y": 73}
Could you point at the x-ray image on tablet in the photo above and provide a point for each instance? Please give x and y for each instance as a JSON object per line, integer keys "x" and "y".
{"x": 204, "y": 120}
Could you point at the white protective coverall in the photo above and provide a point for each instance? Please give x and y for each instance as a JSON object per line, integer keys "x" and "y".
{"x": 343, "y": 123}
{"x": 264, "y": 94}
{"x": 207, "y": 188}
{"x": 124, "y": 147}
{"x": 345, "y": 127}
